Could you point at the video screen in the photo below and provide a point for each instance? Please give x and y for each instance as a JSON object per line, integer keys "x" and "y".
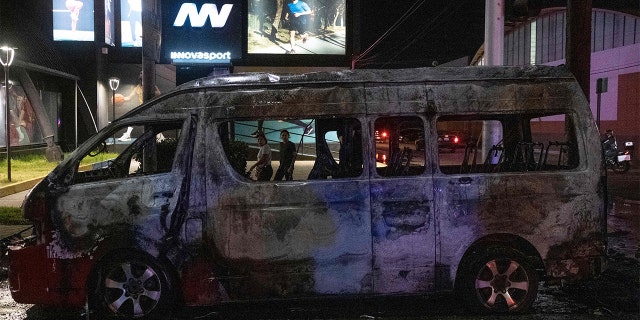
{"x": 131, "y": 23}
{"x": 73, "y": 20}
{"x": 297, "y": 27}
{"x": 201, "y": 32}
{"x": 109, "y": 26}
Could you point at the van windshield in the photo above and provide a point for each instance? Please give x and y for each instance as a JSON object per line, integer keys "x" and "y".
{"x": 131, "y": 150}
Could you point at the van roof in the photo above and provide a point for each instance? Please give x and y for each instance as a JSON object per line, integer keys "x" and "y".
{"x": 245, "y": 103}
{"x": 384, "y": 75}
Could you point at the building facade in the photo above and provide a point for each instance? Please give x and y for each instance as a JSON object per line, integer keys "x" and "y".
{"x": 615, "y": 61}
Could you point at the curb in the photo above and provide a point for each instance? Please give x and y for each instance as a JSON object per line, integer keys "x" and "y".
{"x": 19, "y": 187}
{"x": 28, "y": 184}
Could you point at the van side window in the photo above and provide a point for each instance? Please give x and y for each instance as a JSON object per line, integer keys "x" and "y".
{"x": 323, "y": 148}
{"x": 134, "y": 150}
{"x": 400, "y": 146}
{"x": 506, "y": 143}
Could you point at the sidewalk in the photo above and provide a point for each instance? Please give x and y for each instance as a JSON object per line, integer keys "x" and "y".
{"x": 12, "y": 196}
{"x": 14, "y": 199}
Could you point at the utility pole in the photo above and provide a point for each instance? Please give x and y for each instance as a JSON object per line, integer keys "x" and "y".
{"x": 151, "y": 34}
{"x": 578, "y": 48}
{"x": 493, "y": 55}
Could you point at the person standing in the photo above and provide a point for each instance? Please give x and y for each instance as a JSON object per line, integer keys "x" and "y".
{"x": 609, "y": 145}
{"x": 298, "y": 17}
{"x": 287, "y": 157}
{"x": 263, "y": 165}
{"x": 74, "y": 8}
{"x": 135, "y": 17}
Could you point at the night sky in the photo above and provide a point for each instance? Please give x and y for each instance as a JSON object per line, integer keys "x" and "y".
{"x": 437, "y": 30}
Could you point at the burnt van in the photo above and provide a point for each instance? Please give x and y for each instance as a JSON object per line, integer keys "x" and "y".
{"x": 174, "y": 215}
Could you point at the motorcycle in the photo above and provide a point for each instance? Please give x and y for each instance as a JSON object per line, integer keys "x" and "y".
{"x": 619, "y": 161}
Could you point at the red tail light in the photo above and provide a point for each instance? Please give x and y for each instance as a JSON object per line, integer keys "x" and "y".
{"x": 381, "y": 157}
{"x": 455, "y": 139}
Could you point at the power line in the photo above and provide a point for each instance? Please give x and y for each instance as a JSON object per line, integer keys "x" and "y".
{"x": 404, "y": 17}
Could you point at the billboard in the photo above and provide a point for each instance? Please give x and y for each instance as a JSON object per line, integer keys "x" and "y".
{"x": 208, "y": 32}
{"x": 296, "y": 27}
{"x": 131, "y": 23}
{"x": 73, "y": 20}
{"x": 109, "y": 26}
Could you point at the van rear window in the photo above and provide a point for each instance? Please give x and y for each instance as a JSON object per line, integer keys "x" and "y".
{"x": 506, "y": 143}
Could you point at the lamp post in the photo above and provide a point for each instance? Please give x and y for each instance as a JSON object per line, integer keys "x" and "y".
{"x": 113, "y": 83}
{"x": 6, "y": 58}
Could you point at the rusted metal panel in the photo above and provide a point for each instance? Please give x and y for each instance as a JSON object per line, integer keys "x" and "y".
{"x": 235, "y": 239}
{"x": 282, "y": 239}
{"x": 86, "y": 214}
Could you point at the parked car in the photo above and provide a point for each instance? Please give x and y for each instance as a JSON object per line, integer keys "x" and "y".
{"x": 381, "y": 136}
{"x": 449, "y": 140}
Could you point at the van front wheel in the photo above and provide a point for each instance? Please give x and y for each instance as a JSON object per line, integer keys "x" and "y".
{"x": 497, "y": 280}
{"x": 132, "y": 286}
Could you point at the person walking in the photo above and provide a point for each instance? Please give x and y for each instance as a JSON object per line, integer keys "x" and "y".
{"x": 298, "y": 17}
{"x": 287, "y": 157}
{"x": 263, "y": 165}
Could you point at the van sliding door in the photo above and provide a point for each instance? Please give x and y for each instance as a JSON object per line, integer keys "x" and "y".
{"x": 290, "y": 238}
{"x": 402, "y": 207}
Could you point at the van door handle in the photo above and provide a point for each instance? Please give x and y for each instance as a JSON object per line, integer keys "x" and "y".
{"x": 289, "y": 184}
{"x": 465, "y": 180}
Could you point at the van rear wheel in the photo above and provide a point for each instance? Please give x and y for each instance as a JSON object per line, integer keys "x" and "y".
{"x": 132, "y": 285}
{"x": 497, "y": 280}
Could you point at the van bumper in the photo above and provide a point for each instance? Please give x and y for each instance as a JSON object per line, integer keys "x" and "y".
{"x": 34, "y": 278}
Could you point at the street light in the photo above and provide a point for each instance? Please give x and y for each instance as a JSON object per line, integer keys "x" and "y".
{"x": 114, "y": 83}
{"x": 6, "y": 58}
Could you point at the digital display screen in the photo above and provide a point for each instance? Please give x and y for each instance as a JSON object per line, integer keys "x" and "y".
{"x": 109, "y": 26}
{"x": 73, "y": 20}
{"x": 131, "y": 23}
{"x": 297, "y": 27}
{"x": 202, "y": 32}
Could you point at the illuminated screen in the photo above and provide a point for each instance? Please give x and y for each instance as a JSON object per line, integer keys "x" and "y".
{"x": 131, "y": 23}
{"x": 319, "y": 27}
{"x": 202, "y": 32}
{"x": 108, "y": 22}
{"x": 73, "y": 20}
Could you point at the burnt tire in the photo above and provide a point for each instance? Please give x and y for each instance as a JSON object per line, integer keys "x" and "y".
{"x": 132, "y": 286}
{"x": 497, "y": 280}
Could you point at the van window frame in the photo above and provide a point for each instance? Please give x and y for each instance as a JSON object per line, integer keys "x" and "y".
{"x": 71, "y": 178}
{"x": 538, "y": 150}
{"x": 315, "y": 120}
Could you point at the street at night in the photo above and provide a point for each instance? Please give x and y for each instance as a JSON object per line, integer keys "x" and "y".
{"x": 319, "y": 159}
